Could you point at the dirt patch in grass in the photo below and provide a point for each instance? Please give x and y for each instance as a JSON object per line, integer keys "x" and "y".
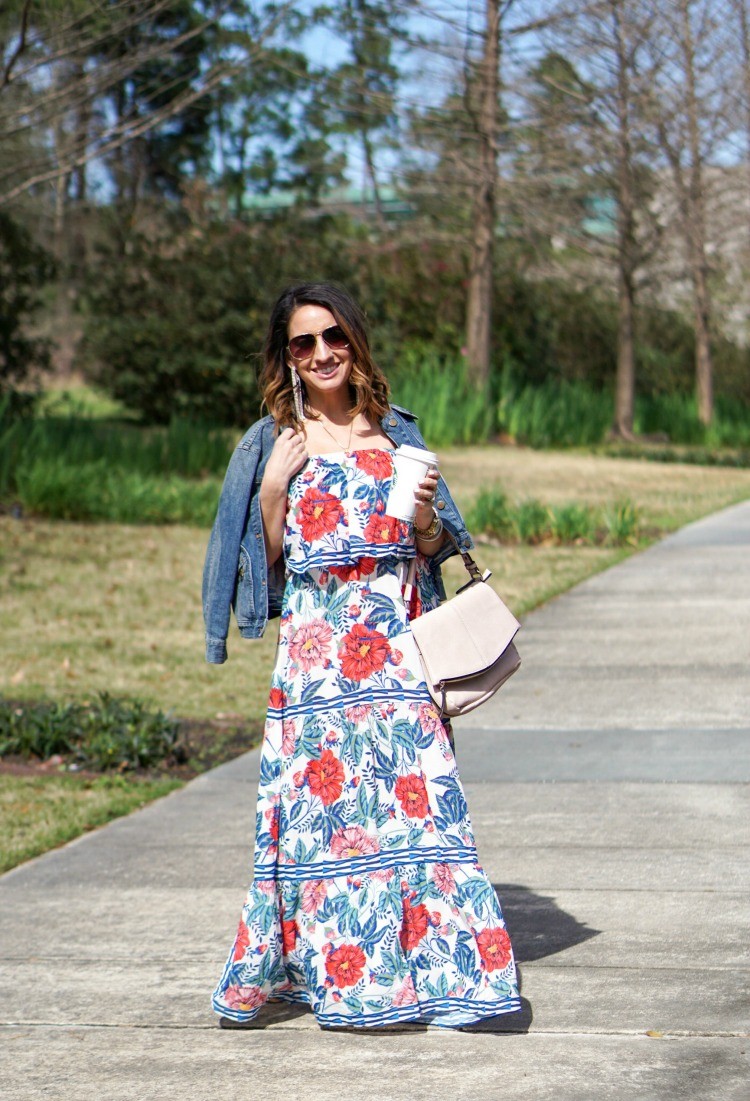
{"x": 43, "y": 804}
{"x": 202, "y": 745}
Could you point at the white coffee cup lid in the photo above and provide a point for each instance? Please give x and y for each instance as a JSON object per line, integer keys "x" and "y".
{"x": 419, "y": 453}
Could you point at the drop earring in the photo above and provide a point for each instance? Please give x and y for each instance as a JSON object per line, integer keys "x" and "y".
{"x": 299, "y": 404}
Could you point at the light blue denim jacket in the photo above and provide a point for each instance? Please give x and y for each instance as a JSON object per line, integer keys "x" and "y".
{"x": 236, "y": 574}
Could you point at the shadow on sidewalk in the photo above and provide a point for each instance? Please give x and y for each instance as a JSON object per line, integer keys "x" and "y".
{"x": 538, "y": 928}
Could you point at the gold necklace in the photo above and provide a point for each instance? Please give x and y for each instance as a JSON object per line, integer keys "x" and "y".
{"x": 338, "y": 442}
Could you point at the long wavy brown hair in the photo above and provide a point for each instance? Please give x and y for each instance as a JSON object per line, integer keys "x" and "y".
{"x": 368, "y": 384}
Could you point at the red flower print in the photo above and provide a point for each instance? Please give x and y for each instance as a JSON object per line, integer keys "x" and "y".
{"x": 273, "y": 822}
{"x": 346, "y": 964}
{"x": 288, "y": 936}
{"x": 353, "y": 571}
{"x": 382, "y": 529}
{"x": 414, "y": 925}
{"x": 377, "y": 462}
{"x": 318, "y": 513}
{"x": 494, "y": 948}
{"x": 310, "y": 644}
{"x": 363, "y": 651}
{"x": 241, "y": 941}
{"x": 412, "y": 795}
{"x": 244, "y": 997}
{"x": 351, "y": 841}
{"x": 325, "y": 777}
{"x": 313, "y": 896}
{"x": 277, "y": 698}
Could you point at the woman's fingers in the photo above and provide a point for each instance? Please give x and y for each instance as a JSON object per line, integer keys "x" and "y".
{"x": 427, "y": 487}
{"x": 288, "y": 457}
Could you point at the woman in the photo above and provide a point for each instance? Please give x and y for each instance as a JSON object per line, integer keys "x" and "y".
{"x": 367, "y": 901}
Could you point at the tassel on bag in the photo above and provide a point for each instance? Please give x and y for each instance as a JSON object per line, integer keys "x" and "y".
{"x": 299, "y": 404}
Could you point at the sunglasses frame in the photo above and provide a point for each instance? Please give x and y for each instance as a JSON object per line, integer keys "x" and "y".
{"x": 336, "y": 347}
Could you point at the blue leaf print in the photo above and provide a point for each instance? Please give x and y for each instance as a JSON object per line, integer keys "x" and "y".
{"x": 421, "y": 736}
{"x": 452, "y": 807}
{"x": 463, "y": 954}
{"x": 310, "y": 691}
{"x": 270, "y": 769}
{"x": 297, "y": 811}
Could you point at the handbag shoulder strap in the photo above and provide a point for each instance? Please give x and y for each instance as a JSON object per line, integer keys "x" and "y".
{"x": 475, "y": 574}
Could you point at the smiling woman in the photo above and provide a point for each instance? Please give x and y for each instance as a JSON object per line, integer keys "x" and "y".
{"x": 368, "y": 902}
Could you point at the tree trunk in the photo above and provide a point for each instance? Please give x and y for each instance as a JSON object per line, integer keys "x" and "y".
{"x": 744, "y": 27}
{"x": 626, "y": 243}
{"x": 371, "y": 172}
{"x": 701, "y": 320}
{"x": 696, "y": 230}
{"x": 479, "y": 300}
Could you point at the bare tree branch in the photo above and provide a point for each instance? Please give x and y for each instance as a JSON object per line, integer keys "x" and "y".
{"x": 20, "y": 46}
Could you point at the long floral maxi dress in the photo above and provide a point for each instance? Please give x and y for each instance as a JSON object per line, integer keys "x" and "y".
{"x": 367, "y": 902}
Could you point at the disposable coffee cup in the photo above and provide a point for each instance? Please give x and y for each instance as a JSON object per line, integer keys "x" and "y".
{"x": 410, "y": 465}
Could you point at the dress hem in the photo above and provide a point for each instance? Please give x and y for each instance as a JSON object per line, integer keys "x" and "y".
{"x": 440, "y": 1012}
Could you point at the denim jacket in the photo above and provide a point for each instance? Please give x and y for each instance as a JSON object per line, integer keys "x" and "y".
{"x": 236, "y": 574}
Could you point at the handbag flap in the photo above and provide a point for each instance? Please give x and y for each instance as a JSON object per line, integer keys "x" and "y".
{"x": 464, "y": 635}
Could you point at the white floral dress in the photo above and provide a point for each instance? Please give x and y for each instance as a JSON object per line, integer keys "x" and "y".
{"x": 367, "y": 902}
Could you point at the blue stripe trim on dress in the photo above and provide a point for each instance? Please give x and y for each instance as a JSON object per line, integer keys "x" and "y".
{"x": 352, "y": 699}
{"x": 349, "y": 555}
{"x": 361, "y": 865}
{"x": 459, "y": 1010}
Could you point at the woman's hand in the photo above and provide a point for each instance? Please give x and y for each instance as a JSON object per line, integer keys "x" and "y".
{"x": 287, "y": 458}
{"x": 425, "y": 497}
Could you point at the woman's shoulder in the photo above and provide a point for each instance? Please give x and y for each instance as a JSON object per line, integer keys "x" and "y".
{"x": 258, "y": 434}
{"x": 399, "y": 409}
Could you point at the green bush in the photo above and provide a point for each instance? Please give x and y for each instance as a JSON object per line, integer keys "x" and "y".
{"x": 572, "y": 523}
{"x": 95, "y": 491}
{"x": 174, "y": 321}
{"x": 554, "y": 414}
{"x": 450, "y": 410}
{"x": 184, "y": 448}
{"x": 25, "y": 268}
{"x": 622, "y": 523}
{"x": 492, "y": 513}
{"x": 106, "y": 734}
{"x": 532, "y": 522}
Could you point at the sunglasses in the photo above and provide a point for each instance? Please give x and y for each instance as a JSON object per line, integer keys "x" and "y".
{"x": 303, "y": 346}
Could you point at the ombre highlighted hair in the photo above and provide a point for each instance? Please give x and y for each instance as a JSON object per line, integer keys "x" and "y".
{"x": 367, "y": 382}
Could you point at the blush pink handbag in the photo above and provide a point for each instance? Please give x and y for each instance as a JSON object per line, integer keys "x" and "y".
{"x": 466, "y": 645}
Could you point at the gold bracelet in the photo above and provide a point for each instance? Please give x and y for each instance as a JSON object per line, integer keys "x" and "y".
{"x": 432, "y": 531}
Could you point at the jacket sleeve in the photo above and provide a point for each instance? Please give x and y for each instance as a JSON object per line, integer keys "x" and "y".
{"x": 459, "y": 531}
{"x": 223, "y": 551}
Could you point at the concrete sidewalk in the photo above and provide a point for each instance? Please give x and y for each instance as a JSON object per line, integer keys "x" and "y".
{"x": 608, "y": 788}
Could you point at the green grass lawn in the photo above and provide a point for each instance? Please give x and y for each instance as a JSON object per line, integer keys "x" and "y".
{"x": 92, "y": 607}
{"x": 38, "y": 813}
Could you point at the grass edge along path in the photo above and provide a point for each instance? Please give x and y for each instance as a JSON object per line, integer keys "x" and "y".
{"x": 40, "y": 812}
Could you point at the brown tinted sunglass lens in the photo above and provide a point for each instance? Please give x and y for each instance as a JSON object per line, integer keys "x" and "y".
{"x": 335, "y": 337}
{"x": 301, "y": 346}
{"x": 304, "y": 345}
